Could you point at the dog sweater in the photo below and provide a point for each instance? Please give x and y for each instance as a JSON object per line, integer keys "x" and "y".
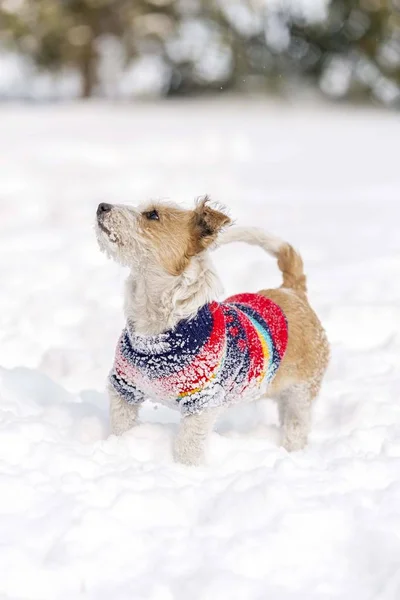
{"x": 228, "y": 351}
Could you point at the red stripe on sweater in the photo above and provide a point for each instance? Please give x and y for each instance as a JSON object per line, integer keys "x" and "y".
{"x": 254, "y": 346}
{"x": 204, "y": 364}
{"x": 271, "y": 313}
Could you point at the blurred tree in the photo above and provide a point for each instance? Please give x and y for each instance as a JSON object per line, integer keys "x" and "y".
{"x": 348, "y": 46}
{"x": 59, "y": 33}
{"x": 357, "y": 47}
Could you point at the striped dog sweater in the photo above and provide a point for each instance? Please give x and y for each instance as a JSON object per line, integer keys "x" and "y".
{"x": 228, "y": 351}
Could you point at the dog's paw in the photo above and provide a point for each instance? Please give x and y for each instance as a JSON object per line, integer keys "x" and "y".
{"x": 187, "y": 453}
{"x": 123, "y": 416}
{"x": 119, "y": 429}
{"x": 120, "y": 424}
{"x": 294, "y": 441}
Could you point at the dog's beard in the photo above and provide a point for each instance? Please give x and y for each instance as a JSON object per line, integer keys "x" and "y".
{"x": 107, "y": 240}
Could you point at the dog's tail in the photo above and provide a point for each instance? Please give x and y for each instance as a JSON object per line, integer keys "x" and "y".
{"x": 289, "y": 261}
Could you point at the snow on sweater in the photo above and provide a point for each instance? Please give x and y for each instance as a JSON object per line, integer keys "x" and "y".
{"x": 227, "y": 351}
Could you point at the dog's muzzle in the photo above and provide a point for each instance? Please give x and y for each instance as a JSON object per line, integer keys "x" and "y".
{"x": 102, "y": 210}
{"x": 103, "y": 207}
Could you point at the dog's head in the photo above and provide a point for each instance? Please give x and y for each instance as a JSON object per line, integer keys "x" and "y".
{"x": 158, "y": 234}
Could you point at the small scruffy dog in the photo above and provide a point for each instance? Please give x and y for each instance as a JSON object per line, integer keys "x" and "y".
{"x": 183, "y": 348}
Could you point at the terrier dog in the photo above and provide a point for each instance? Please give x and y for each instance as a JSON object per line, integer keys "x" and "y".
{"x": 183, "y": 348}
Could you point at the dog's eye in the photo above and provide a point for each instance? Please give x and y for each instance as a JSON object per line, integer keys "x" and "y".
{"x": 152, "y": 215}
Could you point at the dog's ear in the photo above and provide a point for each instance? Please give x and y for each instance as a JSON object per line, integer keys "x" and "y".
{"x": 206, "y": 223}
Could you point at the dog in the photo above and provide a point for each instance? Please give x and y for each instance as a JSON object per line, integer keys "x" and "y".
{"x": 184, "y": 348}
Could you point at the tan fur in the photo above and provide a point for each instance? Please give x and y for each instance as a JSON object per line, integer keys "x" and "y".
{"x": 180, "y": 234}
{"x": 206, "y": 223}
{"x": 172, "y": 239}
{"x": 291, "y": 265}
{"x": 307, "y": 352}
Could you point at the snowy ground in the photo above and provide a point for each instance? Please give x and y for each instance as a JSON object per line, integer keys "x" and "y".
{"x": 84, "y": 515}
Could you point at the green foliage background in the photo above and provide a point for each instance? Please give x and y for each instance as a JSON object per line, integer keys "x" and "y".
{"x": 350, "y": 48}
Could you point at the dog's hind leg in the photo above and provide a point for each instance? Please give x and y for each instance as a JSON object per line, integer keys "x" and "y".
{"x": 294, "y": 405}
{"x": 123, "y": 416}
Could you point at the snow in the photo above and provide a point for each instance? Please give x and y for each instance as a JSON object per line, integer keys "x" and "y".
{"x": 87, "y": 515}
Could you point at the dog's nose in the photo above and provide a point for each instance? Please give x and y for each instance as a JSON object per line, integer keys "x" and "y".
{"x": 103, "y": 208}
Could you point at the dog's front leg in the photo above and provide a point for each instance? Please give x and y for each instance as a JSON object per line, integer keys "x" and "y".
{"x": 189, "y": 445}
{"x": 123, "y": 416}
